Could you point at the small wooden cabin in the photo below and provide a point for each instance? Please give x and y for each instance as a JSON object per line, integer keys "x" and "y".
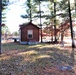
{"x": 29, "y": 33}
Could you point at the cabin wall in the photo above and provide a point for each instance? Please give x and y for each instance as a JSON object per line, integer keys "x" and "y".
{"x": 24, "y": 35}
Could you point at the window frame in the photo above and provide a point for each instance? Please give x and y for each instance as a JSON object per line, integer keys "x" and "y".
{"x": 29, "y": 32}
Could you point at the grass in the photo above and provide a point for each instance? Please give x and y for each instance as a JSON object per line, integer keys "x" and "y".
{"x": 34, "y": 59}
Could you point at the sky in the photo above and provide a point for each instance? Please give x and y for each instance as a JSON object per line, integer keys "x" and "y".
{"x": 13, "y": 15}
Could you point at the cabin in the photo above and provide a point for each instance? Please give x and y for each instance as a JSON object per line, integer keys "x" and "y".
{"x": 29, "y": 33}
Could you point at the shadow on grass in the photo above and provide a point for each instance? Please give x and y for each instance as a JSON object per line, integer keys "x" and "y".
{"x": 34, "y": 59}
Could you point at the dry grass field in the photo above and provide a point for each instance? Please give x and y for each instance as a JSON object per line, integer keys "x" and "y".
{"x": 40, "y": 59}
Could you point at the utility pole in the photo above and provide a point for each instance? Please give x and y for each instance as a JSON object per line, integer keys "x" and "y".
{"x": 0, "y": 23}
{"x": 71, "y": 28}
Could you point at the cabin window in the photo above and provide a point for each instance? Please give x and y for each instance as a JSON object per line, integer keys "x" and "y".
{"x": 30, "y": 34}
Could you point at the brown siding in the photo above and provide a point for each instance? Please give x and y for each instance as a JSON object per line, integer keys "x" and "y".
{"x": 35, "y": 33}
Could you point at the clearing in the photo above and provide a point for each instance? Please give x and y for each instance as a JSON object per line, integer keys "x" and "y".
{"x": 40, "y": 59}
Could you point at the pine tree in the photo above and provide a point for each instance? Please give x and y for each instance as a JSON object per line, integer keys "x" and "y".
{"x": 3, "y": 3}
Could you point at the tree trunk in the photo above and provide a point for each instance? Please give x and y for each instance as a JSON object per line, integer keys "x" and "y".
{"x": 55, "y": 22}
{"x": 0, "y": 22}
{"x": 30, "y": 11}
{"x": 75, "y": 5}
{"x": 52, "y": 38}
{"x": 62, "y": 36}
{"x": 30, "y": 15}
{"x": 40, "y": 20}
{"x": 71, "y": 28}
